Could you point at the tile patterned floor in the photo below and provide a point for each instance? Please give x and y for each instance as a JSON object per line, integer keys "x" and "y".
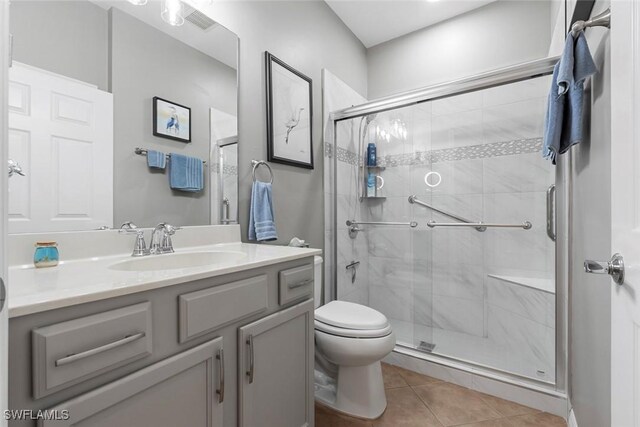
{"x": 415, "y": 400}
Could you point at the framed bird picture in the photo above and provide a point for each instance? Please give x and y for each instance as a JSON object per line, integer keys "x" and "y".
{"x": 171, "y": 120}
{"x": 289, "y": 114}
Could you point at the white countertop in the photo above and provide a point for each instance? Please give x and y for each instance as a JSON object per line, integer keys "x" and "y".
{"x": 77, "y": 281}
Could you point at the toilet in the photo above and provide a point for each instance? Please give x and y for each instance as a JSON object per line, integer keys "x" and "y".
{"x": 351, "y": 340}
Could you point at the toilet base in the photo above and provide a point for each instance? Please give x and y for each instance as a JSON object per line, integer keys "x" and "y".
{"x": 359, "y": 392}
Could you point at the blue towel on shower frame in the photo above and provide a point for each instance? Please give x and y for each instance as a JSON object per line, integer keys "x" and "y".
{"x": 262, "y": 225}
{"x": 186, "y": 173}
{"x": 564, "y": 124}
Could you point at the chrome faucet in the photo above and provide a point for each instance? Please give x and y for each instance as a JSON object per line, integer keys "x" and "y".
{"x": 140, "y": 247}
{"x": 161, "y": 239}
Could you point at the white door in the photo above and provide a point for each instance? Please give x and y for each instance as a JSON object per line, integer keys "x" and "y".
{"x": 61, "y": 134}
{"x": 4, "y": 320}
{"x": 625, "y": 212}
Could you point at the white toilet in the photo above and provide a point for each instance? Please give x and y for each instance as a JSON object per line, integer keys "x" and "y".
{"x": 351, "y": 339}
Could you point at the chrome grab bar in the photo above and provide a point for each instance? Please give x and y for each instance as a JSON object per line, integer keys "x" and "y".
{"x": 525, "y": 225}
{"x": 414, "y": 200}
{"x": 226, "y": 207}
{"x": 354, "y": 223}
{"x": 78, "y": 356}
{"x": 551, "y": 207}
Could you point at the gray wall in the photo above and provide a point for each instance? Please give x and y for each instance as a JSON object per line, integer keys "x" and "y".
{"x": 308, "y": 36}
{"x": 43, "y": 31}
{"x": 167, "y": 68}
{"x": 494, "y": 36}
{"x": 590, "y": 295}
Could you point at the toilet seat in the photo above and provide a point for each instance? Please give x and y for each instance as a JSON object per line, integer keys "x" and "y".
{"x": 347, "y": 319}
{"x": 352, "y": 333}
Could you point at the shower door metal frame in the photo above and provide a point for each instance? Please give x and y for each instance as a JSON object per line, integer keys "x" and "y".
{"x": 498, "y": 77}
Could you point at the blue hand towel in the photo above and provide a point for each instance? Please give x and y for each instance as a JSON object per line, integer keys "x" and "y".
{"x": 564, "y": 124}
{"x": 186, "y": 173}
{"x": 156, "y": 159}
{"x": 262, "y": 226}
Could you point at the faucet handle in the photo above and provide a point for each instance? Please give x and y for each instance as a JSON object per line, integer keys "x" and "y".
{"x": 128, "y": 227}
{"x": 140, "y": 247}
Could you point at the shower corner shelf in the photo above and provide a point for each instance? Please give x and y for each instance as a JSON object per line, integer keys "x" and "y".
{"x": 380, "y": 168}
{"x": 373, "y": 198}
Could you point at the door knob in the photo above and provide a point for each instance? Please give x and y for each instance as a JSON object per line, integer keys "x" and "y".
{"x": 14, "y": 168}
{"x": 613, "y": 267}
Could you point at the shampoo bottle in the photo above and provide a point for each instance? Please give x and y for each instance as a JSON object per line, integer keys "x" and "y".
{"x": 371, "y": 150}
{"x": 371, "y": 185}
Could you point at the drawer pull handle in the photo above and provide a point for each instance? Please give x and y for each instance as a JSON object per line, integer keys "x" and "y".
{"x": 300, "y": 284}
{"x": 220, "y": 391}
{"x": 79, "y": 356}
{"x": 251, "y": 368}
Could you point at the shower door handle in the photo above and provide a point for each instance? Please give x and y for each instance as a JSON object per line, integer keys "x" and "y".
{"x": 614, "y": 268}
{"x": 551, "y": 209}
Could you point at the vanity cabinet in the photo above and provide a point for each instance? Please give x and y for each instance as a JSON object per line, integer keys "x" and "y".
{"x": 276, "y": 371}
{"x": 188, "y": 363}
{"x": 183, "y": 390}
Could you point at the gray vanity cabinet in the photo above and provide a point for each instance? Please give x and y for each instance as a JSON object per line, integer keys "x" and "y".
{"x": 153, "y": 358}
{"x": 184, "y": 390}
{"x": 276, "y": 357}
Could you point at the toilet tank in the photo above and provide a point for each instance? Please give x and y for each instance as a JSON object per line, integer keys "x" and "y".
{"x": 317, "y": 281}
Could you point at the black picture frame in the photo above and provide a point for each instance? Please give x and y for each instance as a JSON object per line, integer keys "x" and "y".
{"x": 165, "y": 134}
{"x": 275, "y": 132}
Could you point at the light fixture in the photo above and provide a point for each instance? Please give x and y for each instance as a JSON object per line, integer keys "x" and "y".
{"x": 172, "y": 12}
{"x": 138, "y": 2}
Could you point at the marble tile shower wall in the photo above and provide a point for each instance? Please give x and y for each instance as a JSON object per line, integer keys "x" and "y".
{"x": 486, "y": 147}
{"x": 338, "y": 95}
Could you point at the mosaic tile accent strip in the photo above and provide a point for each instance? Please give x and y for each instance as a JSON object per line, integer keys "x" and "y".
{"x": 227, "y": 169}
{"x": 344, "y": 156}
{"x": 482, "y": 151}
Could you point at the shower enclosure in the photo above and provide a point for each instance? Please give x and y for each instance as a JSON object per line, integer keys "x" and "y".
{"x": 456, "y": 243}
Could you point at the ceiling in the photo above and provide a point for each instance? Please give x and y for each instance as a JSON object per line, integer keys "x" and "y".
{"x": 378, "y": 21}
{"x": 217, "y": 42}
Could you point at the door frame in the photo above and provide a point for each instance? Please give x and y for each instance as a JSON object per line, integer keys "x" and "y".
{"x": 5, "y": 52}
{"x": 625, "y": 208}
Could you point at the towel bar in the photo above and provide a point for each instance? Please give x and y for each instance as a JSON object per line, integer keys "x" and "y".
{"x": 143, "y": 152}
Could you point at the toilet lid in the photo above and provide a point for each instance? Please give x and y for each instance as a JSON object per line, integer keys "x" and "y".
{"x": 348, "y": 315}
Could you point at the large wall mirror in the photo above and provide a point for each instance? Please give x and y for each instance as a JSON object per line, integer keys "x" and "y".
{"x": 94, "y": 87}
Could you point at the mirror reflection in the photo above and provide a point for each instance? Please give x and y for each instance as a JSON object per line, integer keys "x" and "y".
{"x": 118, "y": 115}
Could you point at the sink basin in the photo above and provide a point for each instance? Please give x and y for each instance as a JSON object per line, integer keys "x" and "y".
{"x": 177, "y": 261}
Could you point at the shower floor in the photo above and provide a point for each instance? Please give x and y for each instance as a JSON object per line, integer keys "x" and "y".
{"x": 469, "y": 348}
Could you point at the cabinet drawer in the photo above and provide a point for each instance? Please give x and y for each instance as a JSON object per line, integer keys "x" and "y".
{"x": 70, "y": 352}
{"x": 204, "y": 311}
{"x": 295, "y": 284}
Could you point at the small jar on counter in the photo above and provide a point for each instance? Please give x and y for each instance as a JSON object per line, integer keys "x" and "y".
{"x": 46, "y": 254}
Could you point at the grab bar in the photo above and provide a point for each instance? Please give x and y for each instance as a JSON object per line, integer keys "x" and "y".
{"x": 551, "y": 207}
{"x": 414, "y": 200}
{"x": 353, "y": 223}
{"x": 525, "y": 225}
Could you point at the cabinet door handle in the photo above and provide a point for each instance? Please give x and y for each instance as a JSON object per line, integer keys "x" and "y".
{"x": 220, "y": 391}
{"x": 78, "y": 356}
{"x": 300, "y": 284}
{"x": 251, "y": 367}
